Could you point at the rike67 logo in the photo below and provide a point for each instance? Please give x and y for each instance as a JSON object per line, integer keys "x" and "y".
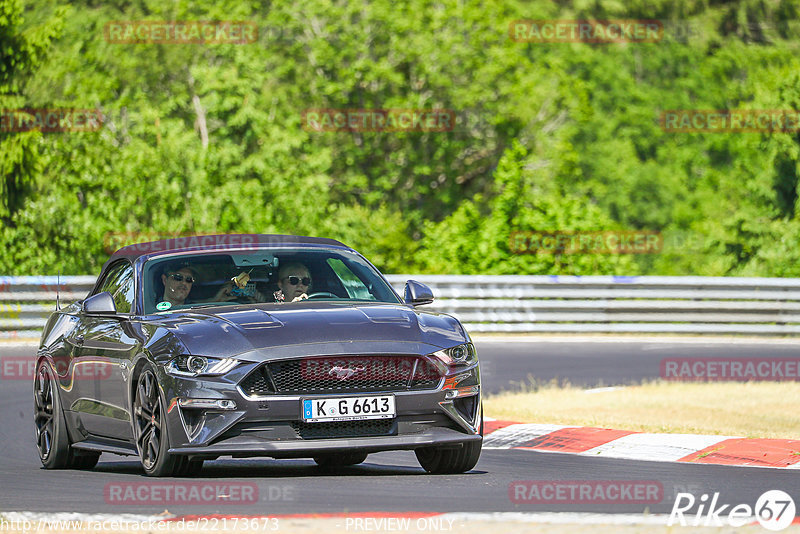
{"x": 774, "y": 510}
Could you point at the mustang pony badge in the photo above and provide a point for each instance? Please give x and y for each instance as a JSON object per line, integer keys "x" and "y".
{"x": 343, "y": 373}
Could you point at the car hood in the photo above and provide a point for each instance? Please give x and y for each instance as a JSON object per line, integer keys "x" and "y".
{"x": 319, "y": 327}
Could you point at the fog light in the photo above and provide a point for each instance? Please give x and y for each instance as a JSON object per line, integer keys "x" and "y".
{"x": 461, "y": 392}
{"x": 210, "y": 404}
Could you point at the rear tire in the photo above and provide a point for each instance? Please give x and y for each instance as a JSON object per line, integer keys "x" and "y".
{"x": 334, "y": 461}
{"x": 52, "y": 440}
{"x": 51, "y": 426}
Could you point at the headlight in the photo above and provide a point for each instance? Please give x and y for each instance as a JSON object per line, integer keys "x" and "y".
{"x": 459, "y": 355}
{"x": 193, "y": 365}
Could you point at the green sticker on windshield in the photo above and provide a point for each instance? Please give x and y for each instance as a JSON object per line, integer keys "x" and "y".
{"x": 161, "y": 306}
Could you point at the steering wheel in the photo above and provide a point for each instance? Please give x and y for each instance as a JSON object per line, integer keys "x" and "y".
{"x": 322, "y": 294}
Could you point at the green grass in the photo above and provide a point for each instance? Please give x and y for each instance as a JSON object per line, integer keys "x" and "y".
{"x": 751, "y": 409}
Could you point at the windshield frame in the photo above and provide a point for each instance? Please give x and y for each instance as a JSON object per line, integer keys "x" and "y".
{"x": 313, "y": 255}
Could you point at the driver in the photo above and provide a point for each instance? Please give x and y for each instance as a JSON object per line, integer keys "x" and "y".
{"x": 178, "y": 281}
{"x": 294, "y": 282}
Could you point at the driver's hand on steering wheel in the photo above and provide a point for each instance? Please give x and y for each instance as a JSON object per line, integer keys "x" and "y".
{"x": 304, "y": 296}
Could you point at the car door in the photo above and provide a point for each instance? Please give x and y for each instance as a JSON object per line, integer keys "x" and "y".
{"x": 104, "y": 345}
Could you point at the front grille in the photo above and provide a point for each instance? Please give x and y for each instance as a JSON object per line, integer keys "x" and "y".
{"x": 345, "y": 429}
{"x": 342, "y": 374}
{"x": 256, "y": 383}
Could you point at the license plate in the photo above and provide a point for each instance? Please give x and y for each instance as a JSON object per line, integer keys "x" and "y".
{"x": 348, "y": 408}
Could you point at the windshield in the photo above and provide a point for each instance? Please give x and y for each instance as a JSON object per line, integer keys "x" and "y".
{"x": 280, "y": 276}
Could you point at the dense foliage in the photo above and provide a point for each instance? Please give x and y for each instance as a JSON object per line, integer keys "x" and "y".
{"x": 202, "y": 138}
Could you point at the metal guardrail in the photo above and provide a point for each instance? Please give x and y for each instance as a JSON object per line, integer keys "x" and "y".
{"x": 579, "y": 304}
{"x": 27, "y": 301}
{"x": 615, "y": 304}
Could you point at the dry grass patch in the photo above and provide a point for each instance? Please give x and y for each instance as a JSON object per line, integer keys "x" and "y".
{"x": 751, "y": 409}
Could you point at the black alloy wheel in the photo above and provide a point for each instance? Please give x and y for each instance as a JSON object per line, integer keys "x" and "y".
{"x": 44, "y": 414}
{"x": 52, "y": 441}
{"x": 150, "y": 428}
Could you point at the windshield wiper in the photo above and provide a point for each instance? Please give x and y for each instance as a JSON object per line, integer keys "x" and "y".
{"x": 209, "y": 305}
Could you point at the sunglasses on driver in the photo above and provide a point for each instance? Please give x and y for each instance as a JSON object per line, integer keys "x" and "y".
{"x": 178, "y": 277}
{"x": 294, "y": 280}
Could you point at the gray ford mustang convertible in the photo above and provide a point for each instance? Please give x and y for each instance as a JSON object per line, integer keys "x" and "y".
{"x": 191, "y": 349}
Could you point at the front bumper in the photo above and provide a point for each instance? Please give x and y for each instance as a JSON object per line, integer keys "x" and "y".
{"x": 272, "y": 426}
{"x": 252, "y": 445}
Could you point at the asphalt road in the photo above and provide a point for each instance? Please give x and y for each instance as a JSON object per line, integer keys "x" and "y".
{"x": 507, "y": 365}
{"x": 391, "y": 481}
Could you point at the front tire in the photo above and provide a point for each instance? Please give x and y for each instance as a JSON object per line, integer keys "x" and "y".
{"x": 441, "y": 461}
{"x": 334, "y": 461}
{"x": 185, "y": 467}
{"x": 150, "y": 426}
{"x": 52, "y": 440}
{"x": 447, "y": 461}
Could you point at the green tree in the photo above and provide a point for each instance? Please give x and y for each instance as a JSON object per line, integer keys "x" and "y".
{"x": 23, "y": 49}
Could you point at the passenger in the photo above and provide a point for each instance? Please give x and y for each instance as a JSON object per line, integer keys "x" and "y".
{"x": 294, "y": 281}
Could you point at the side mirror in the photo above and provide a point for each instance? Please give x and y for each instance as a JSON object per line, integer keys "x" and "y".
{"x": 417, "y": 294}
{"x": 100, "y": 303}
